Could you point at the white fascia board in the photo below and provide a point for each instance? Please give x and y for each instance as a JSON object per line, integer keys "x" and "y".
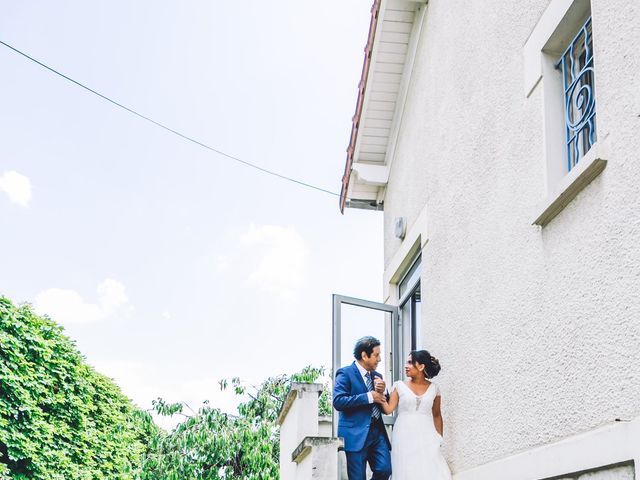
{"x": 374, "y": 54}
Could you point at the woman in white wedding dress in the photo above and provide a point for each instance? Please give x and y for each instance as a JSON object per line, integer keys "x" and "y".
{"x": 417, "y": 433}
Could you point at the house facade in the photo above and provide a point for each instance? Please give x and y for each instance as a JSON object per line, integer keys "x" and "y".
{"x": 500, "y": 140}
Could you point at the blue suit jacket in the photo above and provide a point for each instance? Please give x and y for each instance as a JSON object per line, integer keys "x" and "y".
{"x": 352, "y": 402}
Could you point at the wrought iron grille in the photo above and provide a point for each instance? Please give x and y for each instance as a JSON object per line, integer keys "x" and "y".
{"x": 578, "y": 76}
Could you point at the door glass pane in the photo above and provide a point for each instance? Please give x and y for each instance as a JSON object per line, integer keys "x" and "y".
{"x": 358, "y": 322}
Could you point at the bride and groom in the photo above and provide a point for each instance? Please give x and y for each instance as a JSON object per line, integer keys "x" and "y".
{"x": 360, "y": 397}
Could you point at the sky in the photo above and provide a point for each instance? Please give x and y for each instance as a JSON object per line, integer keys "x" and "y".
{"x": 171, "y": 266}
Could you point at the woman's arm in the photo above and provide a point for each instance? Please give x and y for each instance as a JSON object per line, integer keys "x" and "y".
{"x": 437, "y": 415}
{"x": 390, "y": 405}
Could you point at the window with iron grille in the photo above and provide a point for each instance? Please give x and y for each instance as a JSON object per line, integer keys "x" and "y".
{"x": 576, "y": 65}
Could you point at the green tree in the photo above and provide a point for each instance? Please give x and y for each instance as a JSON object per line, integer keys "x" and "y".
{"x": 212, "y": 445}
{"x": 59, "y": 418}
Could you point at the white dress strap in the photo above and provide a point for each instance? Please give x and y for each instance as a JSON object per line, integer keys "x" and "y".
{"x": 437, "y": 389}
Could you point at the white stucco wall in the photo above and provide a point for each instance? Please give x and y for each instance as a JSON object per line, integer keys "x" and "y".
{"x": 538, "y": 330}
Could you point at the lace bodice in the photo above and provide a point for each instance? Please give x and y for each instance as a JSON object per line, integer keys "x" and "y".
{"x": 411, "y": 404}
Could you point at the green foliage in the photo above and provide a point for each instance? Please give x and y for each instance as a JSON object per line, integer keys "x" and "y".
{"x": 212, "y": 445}
{"x": 59, "y": 418}
{"x": 311, "y": 374}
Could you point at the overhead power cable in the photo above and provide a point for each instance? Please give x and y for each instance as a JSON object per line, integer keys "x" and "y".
{"x": 169, "y": 129}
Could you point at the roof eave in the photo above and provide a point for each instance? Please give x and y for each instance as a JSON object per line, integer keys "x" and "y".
{"x": 362, "y": 86}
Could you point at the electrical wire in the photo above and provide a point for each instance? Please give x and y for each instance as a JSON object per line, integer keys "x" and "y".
{"x": 169, "y": 129}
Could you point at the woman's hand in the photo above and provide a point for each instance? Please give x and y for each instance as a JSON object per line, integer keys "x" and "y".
{"x": 389, "y": 406}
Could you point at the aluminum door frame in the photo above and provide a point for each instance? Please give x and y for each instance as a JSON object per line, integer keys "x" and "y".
{"x": 395, "y": 360}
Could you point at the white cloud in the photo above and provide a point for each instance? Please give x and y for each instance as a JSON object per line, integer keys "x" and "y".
{"x": 283, "y": 262}
{"x": 112, "y": 295}
{"x": 68, "y": 306}
{"x": 222, "y": 263}
{"x": 17, "y": 187}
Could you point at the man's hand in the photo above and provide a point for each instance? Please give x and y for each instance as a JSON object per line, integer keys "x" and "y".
{"x": 378, "y": 398}
{"x": 379, "y": 385}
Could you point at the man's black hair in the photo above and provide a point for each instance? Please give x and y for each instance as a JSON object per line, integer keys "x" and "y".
{"x": 366, "y": 345}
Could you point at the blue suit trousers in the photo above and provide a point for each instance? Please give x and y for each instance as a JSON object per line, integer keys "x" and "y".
{"x": 375, "y": 451}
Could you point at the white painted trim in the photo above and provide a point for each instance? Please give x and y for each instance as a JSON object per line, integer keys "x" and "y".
{"x": 555, "y": 130}
{"x": 587, "y": 169}
{"x": 414, "y": 242}
{"x": 609, "y": 445}
{"x": 555, "y": 29}
{"x": 559, "y": 15}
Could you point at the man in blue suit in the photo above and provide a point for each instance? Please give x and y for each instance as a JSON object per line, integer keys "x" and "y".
{"x": 357, "y": 395}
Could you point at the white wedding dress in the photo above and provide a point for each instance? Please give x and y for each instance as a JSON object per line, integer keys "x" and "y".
{"x": 415, "y": 452}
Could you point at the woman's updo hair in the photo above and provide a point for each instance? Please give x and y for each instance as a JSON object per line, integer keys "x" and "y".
{"x": 431, "y": 363}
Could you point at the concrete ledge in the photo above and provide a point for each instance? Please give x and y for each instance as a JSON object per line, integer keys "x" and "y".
{"x": 297, "y": 391}
{"x": 309, "y": 443}
{"x": 613, "y": 444}
{"x": 576, "y": 180}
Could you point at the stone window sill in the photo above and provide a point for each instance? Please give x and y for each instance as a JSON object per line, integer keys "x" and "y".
{"x": 591, "y": 165}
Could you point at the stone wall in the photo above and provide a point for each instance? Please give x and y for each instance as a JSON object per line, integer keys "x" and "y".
{"x": 307, "y": 449}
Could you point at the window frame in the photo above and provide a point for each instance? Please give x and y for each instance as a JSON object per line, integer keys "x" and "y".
{"x": 549, "y": 39}
{"x": 411, "y": 328}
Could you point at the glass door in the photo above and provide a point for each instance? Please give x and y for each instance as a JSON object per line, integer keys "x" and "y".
{"x": 354, "y": 318}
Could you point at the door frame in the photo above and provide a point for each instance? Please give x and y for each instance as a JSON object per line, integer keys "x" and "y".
{"x": 395, "y": 345}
